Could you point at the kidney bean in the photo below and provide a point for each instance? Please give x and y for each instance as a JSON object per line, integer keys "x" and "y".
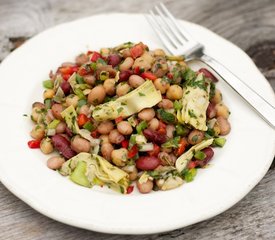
{"x": 66, "y": 87}
{"x": 113, "y": 60}
{"x": 63, "y": 146}
{"x": 124, "y": 75}
{"x": 209, "y": 155}
{"x": 208, "y": 74}
{"x": 154, "y": 136}
{"x": 147, "y": 163}
{"x": 211, "y": 110}
{"x": 69, "y": 132}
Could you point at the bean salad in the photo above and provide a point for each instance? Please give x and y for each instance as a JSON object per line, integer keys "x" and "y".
{"x": 129, "y": 116}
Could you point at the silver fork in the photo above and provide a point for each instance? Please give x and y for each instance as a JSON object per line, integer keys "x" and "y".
{"x": 179, "y": 42}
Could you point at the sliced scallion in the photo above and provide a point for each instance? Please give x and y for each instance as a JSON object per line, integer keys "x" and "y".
{"x": 200, "y": 155}
{"x": 219, "y": 141}
{"x": 48, "y": 84}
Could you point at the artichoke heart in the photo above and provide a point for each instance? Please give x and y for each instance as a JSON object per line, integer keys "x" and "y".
{"x": 195, "y": 101}
{"x": 184, "y": 159}
{"x": 145, "y": 96}
{"x": 95, "y": 171}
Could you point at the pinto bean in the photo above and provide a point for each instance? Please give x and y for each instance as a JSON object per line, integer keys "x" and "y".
{"x": 145, "y": 187}
{"x": 109, "y": 86}
{"x": 106, "y": 150}
{"x": 57, "y": 108}
{"x": 170, "y": 129}
{"x": 153, "y": 124}
{"x": 147, "y": 114}
{"x": 81, "y": 59}
{"x": 79, "y": 144}
{"x": 97, "y": 95}
{"x": 135, "y": 81}
{"x": 124, "y": 127}
{"x": 166, "y": 104}
{"x": 127, "y": 64}
{"x": 195, "y": 137}
{"x": 105, "y": 127}
{"x": 55, "y": 162}
{"x": 211, "y": 110}
{"x": 115, "y": 137}
{"x": 224, "y": 125}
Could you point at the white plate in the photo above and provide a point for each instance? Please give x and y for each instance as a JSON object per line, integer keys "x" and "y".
{"x": 235, "y": 170}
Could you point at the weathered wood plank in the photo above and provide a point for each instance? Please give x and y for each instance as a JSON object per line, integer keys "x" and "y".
{"x": 249, "y": 24}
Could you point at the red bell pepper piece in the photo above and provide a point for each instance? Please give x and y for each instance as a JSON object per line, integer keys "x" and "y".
{"x": 149, "y": 75}
{"x": 95, "y": 56}
{"x": 130, "y": 189}
{"x": 125, "y": 143}
{"x": 133, "y": 151}
{"x": 34, "y": 144}
{"x": 118, "y": 120}
{"x": 192, "y": 164}
{"x": 82, "y": 119}
{"x": 137, "y": 50}
{"x": 95, "y": 134}
{"x": 182, "y": 146}
{"x": 155, "y": 151}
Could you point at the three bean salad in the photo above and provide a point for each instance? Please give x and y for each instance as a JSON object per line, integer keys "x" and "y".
{"x": 127, "y": 116}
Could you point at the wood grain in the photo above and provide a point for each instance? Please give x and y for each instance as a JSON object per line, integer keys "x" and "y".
{"x": 248, "y": 24}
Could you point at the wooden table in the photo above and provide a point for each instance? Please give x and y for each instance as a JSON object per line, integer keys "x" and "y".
{"x": 248, "y": 24}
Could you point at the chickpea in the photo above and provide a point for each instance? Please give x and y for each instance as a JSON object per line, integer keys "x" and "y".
{"x": 216, "y": 129}
{"x": 145, "y": 187}
{"x": 105, "y": 127}
{"x": 57, "y": 108}
{"x": 122, "y": 89}
{"x": 39, "y": 105}
{"x": 36, "y": 113}
{"x": 222, "y": 110}
{"x": 106, "y": 150}
{"x": 195, "y": 137}
{"x": 217, "y": 98}
{"x": 126, "y": 53}
{"x": 120, "y": 157}
{"x": 84, "y": 109}
{"x": 46, "y": 146}
{"x": 166, "y": 104}
{"x": 81, "y": 59}
{"x": 174, "y": 92}
{"x": 153, "y": 124}
{"x": 55, "y": 162}
{"x": 224, "y": 125}
{"x": 38, "y": 131}
{"x": 127, "y": 64}
{"x": 89, "y": 79}
{"x": 159, "y": 52}
{"x": 115, "y": 137}
{"x": 147, "y": 114}
{"x": 132, "y": 171}
{"x": 48, "y": 94}
{"x": 170, "y": 129}
{"x": 104, "y": 138}
{"x": 161, "y": 85}
{"x": 49, "y": 116}
{"x": 135, "y": 81}
{"x": 109, "y": 86}
{"x": 72, "y": 100}
{"x": 79, "y": 144}
{"x": 142, "y": 64}
{"x": 61, "y": 127}
{"x": 124, "y": 128}
{"x": 97, "y": 95}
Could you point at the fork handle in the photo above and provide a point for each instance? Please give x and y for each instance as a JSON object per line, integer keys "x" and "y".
{"x": 262, "y": 107}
